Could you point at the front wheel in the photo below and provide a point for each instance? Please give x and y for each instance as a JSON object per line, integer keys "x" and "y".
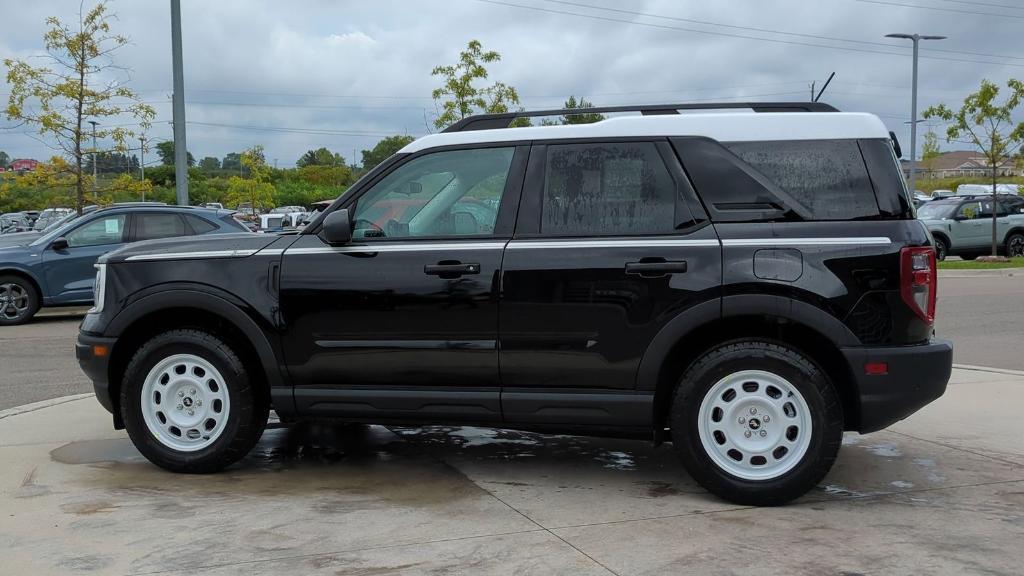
{"x": 19, "y": 300}
{"x": 1015, "y": 245}
{"x": 756, "y": 422}
{"x": 188, "y": 403}
{"x": 941, "y": 249}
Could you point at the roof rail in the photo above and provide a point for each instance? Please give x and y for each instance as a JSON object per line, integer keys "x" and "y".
{"x": 503, "y": 120}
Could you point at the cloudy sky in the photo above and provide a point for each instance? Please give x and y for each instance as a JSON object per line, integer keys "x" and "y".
{"x": 302, "y": 74}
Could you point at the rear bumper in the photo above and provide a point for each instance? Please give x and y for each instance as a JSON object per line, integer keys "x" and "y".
{"x": 96, "y": 365}
{"x": 916, "y": 375}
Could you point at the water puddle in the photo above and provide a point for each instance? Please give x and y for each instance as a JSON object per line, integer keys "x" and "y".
{"x": 96, "y": 451}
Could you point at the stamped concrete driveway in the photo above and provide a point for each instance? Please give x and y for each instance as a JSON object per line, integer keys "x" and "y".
{"x": 941, "y": 493}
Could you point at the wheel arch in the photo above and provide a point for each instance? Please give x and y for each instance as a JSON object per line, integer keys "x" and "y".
{"x": 23, "y": 273}
{"x": 804, "y": 326}
{"x": 185, "y": 308}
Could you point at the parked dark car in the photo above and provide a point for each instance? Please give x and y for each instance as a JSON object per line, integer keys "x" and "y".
{"x": 56, "y": 268}
{"x": 746, "y": 285}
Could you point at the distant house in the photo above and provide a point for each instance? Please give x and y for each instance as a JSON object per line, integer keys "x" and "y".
{"x": 961, "y": 163}
{"x": 23, "y": 165}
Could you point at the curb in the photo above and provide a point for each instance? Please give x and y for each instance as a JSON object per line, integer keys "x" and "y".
{"x": 989, "y": 369}
{"x": 990, "y": 273}
{"x": 26, "y": 408}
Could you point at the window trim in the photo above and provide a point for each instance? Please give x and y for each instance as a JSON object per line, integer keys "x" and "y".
{"x": 532, "y": 203}
{"x": 504, "y": 223}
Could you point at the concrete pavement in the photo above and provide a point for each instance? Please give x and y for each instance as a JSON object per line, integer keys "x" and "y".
{"x": 940, "y": 493}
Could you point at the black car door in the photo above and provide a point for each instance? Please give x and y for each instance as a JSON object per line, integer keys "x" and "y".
{"x": 402, "y": 322}
{"x": 610, "y": 244}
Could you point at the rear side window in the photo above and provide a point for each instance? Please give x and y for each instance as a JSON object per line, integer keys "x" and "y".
{"x": 810, "y": 180}
{"x": 200, "y": 225}
{"x": 607, "y": 189}
{"x": 153, "y": 226}
{"x": 827, "y": 177}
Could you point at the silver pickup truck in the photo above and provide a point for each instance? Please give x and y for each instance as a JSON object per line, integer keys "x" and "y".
{"x": 962, "y": 225}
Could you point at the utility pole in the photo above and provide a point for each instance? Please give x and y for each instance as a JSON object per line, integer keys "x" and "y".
{"x": 913, "y": 104}
{"x": 94, "y": 123}
{"x": 142, "y": 162}
{"x": 812, "y": 91}
{"x": 178, "y": 107}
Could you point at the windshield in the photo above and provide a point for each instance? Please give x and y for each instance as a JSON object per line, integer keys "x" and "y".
{"x": 936, "y": 210}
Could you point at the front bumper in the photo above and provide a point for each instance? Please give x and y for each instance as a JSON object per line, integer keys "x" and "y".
{"x": 95, "y": 364}
{"x": 916, "y": 375}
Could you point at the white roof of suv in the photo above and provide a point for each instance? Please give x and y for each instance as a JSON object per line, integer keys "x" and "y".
{"x": 724, "y": 127}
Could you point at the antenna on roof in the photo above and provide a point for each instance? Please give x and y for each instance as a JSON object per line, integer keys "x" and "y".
{"x": 830, "y": 77}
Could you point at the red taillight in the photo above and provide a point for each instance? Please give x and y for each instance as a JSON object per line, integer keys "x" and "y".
{"x": 918, "y": 280}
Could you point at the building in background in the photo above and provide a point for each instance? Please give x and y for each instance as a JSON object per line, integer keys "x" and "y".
{"x": 23, "y": 165}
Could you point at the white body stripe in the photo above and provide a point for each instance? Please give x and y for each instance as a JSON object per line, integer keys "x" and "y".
{"x": 848, "y": 241}
{"x": 191, "y": 255}
{"x": 624, "y": 243}
{"x": 724, "y": 127}
{"x": 575, "y": 243}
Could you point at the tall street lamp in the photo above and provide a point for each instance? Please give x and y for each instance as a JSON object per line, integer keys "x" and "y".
{"x": 913, "y": 105}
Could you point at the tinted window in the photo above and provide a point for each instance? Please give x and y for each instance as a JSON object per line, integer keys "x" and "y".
{"x": 826, "y": 177}
{"x": 200, "y": 225}
{"x": 451, "y": 193}
{"x": 153, "y": 226}
{"x": 104, "y": 230}
{"x": 611, "y": 188}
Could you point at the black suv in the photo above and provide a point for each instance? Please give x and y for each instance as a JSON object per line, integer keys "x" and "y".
{"x": 746, "y": 284}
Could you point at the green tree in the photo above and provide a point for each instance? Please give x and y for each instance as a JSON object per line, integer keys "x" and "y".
{"x": 165, "y": 150}
{"x": 459, "y": 97}
{"x": 585, "y": 118}
{"x": 383, "y": 150}
{"x": 989, "y": 126}
{"x": 320, "y": 157}
{"x": 5, "y": 160}
{"x": 233, "y": 162}
{"x": 256, "y": 190}
{"x": 75, "y": 86}
{"x": 209, "y": 164}
{"x": 929, "y": 152}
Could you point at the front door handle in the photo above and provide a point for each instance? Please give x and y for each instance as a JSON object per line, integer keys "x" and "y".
{"x": 451, "y": 269}
{"x": 656, "y": 269}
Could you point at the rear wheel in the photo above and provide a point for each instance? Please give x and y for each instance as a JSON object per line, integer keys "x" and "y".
{"x": 756, "y": 422}
{"x": 1015, "y": 245}
{"x": 188, "y": 403}
{"x": 19, "y": 300}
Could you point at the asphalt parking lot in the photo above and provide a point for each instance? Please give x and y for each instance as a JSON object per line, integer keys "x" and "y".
{"x": 939, "y": 493}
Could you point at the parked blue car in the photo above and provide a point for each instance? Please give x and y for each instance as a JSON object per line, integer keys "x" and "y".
{"x": 57, "y": 267}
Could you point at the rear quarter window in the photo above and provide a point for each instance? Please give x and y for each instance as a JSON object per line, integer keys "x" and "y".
{"x": 827, "y": 177}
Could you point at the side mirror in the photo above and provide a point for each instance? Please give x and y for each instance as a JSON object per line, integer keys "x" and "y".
{"x": 337, "y": 228}
{"x": 59, "y": 244}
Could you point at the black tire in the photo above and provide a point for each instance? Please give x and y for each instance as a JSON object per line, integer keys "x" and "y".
{"x": 27, "y": 300}
{"x": 824, "y": 408}
{"x": 246, "y": 419}
{"x": 941, "y": 248}
{"x": 1015, "y": 245}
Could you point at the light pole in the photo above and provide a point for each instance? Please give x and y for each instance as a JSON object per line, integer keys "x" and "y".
{"x": 142, "y": 162}
{"x": 178, "y": 107}
{"x": 913, "y": 105}
{"x": 94, "y": 123}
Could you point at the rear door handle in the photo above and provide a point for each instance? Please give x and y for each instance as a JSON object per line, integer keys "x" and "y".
{"x": 656, "y": 269}
{"x": 451, "y": 270}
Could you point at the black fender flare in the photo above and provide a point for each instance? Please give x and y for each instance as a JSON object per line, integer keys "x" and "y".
{"x": 705, "y": 313}
{"x": 225, "y": 306}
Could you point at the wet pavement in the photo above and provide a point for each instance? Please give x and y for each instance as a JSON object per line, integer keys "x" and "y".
{"x": 940, "y": 493}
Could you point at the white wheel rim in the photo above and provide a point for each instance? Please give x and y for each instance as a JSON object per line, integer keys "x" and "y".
{"x": 185, "y": 402}
{"x": 754, "y": 425}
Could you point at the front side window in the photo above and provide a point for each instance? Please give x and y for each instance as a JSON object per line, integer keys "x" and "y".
{"x": 970, "y": 211}
{"x": 607, "y": 189}
{"x": 103, "y": 230}
{"x": 449, "y": 193}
